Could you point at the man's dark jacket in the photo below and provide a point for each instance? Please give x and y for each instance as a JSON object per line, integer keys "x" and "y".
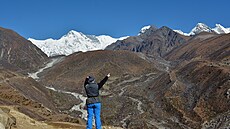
{"x": 92, "y": 89}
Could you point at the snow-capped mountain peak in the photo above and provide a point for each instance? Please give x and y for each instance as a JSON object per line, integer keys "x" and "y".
{"x": 147, "y": 30}
{"x": 143, "y": 29}
{"x": 219, "y": 29}
{"x": 74, "y": 34}
{"x": 201, "y": 27}
{"x": 72, "y": 42}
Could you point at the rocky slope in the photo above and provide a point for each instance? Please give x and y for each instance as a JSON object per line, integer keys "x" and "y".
{"x": 19, "y": 54}
{"x": 153, "y": 41}
{"x": 214, "y": 48}
{"x": 204, "y": 68}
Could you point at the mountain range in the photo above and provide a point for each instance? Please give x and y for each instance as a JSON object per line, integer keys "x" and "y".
{"x": 201, "y": 27}
{"x": 75, "y": 41}
{"x": 72, "y": 42}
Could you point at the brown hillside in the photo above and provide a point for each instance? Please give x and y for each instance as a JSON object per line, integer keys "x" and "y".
{"x": 28, "y": 96}
{"x": 17, "y": 53}
{"x": 200, "y": 90}
{"x": 24, "y": 92}
{"x": 70, "y": 73}
{"x": 214, "y": 48}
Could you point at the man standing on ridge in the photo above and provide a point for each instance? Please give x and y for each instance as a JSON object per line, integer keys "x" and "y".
{"x": 93, "y": 101}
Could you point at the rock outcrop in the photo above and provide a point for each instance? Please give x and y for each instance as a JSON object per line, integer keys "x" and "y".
{"x": 6, "y": 120}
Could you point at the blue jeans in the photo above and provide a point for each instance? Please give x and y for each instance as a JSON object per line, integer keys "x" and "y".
{"x": 94, "y": 110}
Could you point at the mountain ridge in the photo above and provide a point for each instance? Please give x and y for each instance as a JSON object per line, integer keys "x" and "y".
{"x": 72, "y": 42}
{"x": 75, "y": 41}
{"x": 19, "y": 54}
{"x": 201, "y": 27}
{"x": 152, "y": 42}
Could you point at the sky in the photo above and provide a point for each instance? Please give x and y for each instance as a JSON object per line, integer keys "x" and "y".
{"x": 42, "y": 19}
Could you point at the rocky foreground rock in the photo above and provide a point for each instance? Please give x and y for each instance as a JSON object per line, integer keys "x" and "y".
{"x": 6, "y": 119}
